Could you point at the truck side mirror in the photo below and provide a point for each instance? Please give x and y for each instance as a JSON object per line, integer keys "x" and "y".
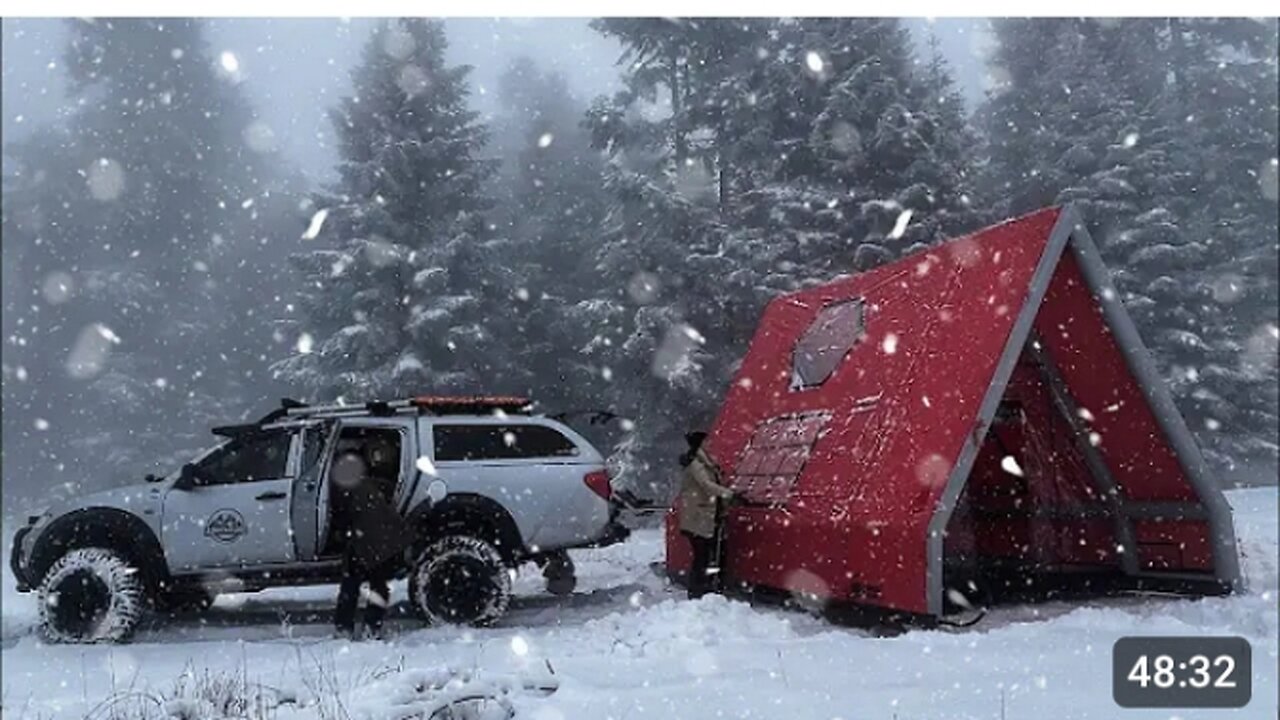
{"x": 186, "y": 478}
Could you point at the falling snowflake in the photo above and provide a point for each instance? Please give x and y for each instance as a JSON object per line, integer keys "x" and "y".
{"x": 89, "y": 353}
{"x": 1010, "y": 465}
{"x": 413, "y": 80}
{"x": 56, "y": 288}
{"x": 958, "y": 598}
{"x": 260, "y": 137}
{"x": 890, "y": 344}
{"x": 643, "y": 287}
{"x": 42, "y": 424}
{"x": 425, "y": 466}
{"x": 932, "y": 471}
{"x": 1227, "y": 288}
{"x": 519, "y": 646}
{"x": 398, "y": 42}
{"x": 1269, "y": 179}
{"x": 106, "y": 180}
{"x": 305, "y": 343}
{"x": 545, "y": 140}
{"x": 229, "y": 62}
{"x": 814, "y": 62}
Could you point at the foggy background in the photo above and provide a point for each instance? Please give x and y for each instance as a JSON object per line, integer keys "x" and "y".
{"x": 597, "y": 193}
{"x": 294, "y": 69}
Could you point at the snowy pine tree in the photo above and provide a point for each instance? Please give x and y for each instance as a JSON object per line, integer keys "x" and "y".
{"x": 128, "y": 218}
{"x": 552, "y": 204}
{"x": 407, "y": 290}
{"x": 1175, "y": 199}
{"x": 750, "y": 157}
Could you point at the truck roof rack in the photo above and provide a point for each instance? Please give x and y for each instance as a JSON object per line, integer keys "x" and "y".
{"x": 420, "y": 404}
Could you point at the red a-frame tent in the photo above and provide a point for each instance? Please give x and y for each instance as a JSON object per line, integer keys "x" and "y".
{"x": 983, "y": 405}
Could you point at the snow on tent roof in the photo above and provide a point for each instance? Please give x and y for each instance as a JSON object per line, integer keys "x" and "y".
{"x": 863, "y": 407}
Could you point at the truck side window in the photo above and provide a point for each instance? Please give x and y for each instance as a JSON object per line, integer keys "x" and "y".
{"x": 499, "y": 442}
{"x": 312, "y": 448}
{"x": 247, "y": 459}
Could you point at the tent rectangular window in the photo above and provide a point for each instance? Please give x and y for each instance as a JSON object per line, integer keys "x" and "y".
{"x": 775, "y": 456}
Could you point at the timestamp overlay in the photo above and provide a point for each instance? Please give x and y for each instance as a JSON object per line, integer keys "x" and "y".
{"x": 1182, "y": 672}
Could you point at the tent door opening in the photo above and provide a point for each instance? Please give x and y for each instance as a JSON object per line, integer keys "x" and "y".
{"x": 1039, "y": 514}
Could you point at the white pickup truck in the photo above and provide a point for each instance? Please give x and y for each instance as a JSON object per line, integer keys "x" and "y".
{"x": 486, "y": 485}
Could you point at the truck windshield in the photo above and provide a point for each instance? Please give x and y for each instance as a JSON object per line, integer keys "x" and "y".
{"x": 194, "y": 460}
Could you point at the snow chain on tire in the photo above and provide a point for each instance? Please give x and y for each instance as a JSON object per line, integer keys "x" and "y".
{"x": 108, "y": 593}
{"x": 468, "y": 566}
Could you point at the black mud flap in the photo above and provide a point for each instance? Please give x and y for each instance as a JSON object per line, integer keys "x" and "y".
{"x": 15, "y": 561}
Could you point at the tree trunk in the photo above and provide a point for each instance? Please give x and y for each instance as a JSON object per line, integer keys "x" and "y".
{"x": 722, "y": 163}
{"x": 1177, "y": 59}
{"x": 681, "y": 147}
{"x": 677, "y": 113}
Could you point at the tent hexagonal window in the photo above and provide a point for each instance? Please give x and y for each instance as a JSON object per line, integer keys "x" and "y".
{"x": 819, "y": 351}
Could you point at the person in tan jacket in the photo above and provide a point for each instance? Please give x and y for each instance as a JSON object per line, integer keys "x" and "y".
{"x": 700, "y": 495}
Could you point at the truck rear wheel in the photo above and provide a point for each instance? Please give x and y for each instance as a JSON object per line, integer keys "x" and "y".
{"x": 91, "y": 595}
{"x": 460, "y": 580}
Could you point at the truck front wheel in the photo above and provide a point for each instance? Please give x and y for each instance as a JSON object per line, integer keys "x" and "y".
{"x": 91, "y": 595}
{"x": 460, "y": 580}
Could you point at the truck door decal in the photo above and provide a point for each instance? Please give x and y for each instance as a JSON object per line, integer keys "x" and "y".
{"x": 226, "y": 526}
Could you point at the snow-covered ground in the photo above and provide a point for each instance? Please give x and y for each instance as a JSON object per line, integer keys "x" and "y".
{"x": 627, "y": 646}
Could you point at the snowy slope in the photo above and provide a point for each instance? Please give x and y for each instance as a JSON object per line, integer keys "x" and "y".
{"x": 628, "y": 647}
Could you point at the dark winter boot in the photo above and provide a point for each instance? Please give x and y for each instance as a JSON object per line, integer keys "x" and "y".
{"x": 560, "y": 574}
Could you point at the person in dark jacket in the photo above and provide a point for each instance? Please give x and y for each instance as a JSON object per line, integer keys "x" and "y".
{"x": 701, "y": 493}
{"x": 374, "y": 540}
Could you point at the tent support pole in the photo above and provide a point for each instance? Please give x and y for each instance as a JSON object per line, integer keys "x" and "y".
{"x": 1102, "y": 477}
{"x": 959, "y": 475}
{"x": 1226, "y": 563}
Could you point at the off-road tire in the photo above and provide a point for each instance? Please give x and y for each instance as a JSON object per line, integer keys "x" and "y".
{"x": 91, "y": 595}
{"x": 558, "y": 571}
{"x": 460, "y": 580}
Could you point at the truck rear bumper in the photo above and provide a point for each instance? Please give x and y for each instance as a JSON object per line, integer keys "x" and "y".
{"x": 15, "y": 560}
